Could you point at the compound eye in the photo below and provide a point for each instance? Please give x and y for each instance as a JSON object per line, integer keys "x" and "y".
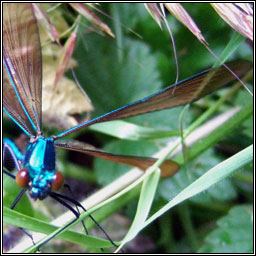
{"x": 22, "y": 178}
{"x": 57, "y": 181}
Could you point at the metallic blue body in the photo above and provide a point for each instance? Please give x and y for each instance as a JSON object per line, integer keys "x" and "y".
{"x": 40, "y": 162}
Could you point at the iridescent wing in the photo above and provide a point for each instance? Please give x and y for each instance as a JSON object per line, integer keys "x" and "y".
{"x": 184, "y": 92}
{"x": 168, "y": 168}
{"x": 12, "y": 105}
{"x": 22, "y": 91}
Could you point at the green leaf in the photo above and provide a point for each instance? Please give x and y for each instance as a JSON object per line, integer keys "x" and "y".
{"x": 234, "y": 233}
{"x": 222, "y": 191}
{"x": 233, "y": 44}
{"x": 243, "y": 98}
{"x": 129, "y": 131}
{"x": 129, "y": 14}
{"x": 214, "y": 175}
{"x": 113, "y": 84}
{"x": 146, "y": 198}
{"x": 20, "y": 220}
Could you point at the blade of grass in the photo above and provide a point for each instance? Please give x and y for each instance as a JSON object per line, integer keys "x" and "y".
{"x": 147, "y": 195}
{"x": 125, "y": 130}
{"x": 233, "y": 44}
{"x": 15, "y": 218}
{"x": 214, "y": 175}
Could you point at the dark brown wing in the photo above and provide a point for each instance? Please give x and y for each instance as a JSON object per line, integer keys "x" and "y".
{"x": 23, "y": 62}
{"x": 168, "y": 168}
{"x": 184, "y": 92}
{"x": 12, "y": 105}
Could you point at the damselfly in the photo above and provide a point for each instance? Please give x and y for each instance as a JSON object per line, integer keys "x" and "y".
{"x": 22, "y": 94}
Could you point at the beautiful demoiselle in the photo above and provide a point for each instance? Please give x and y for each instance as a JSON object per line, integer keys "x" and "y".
{"x": 22, "y": 93}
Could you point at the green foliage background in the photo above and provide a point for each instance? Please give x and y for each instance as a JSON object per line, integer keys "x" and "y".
{"x": 115, "y": 72}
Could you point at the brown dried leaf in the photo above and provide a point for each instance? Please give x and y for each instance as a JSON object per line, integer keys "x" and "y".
{"x": 181, "y": 14}
{"x": 154, "y": 11}
{"x": 45, "y": 22}
{"x": 65, "y": 57}
{"x": 62, "y": 103}
{"x": 92, "y": 17}
{"x": 57, "y": 21}
{"x": 240, "y": 19}
{"x": 51, "y": 56}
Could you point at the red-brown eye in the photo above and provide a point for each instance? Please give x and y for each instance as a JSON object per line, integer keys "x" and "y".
{"x": 57, "y": 181}
{"x": 22, "y": 178}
